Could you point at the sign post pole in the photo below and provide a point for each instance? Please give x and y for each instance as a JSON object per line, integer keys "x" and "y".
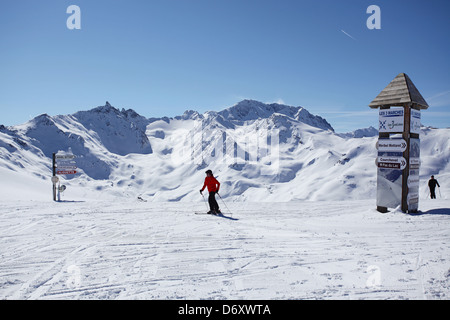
{"x": 406, "y": 137}
{"x": 54, "y": 175}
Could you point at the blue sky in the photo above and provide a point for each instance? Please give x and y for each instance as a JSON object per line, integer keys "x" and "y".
{"x": 163, "y": 57}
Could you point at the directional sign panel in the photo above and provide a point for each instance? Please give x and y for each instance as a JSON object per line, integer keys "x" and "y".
{"x": 415, "y": 121}
{"x": 66, "y": 172}
{"x": 391, "y": 145}
{"x": 391, "y": 162}
{"x": 66, "y": 168}
{"x": 64, "y": 157}
{"x": 413, "y": 201}
{"x": 414, "y": 163}
{"x": 391, "y": 120}
{"x": 413, "y": 181}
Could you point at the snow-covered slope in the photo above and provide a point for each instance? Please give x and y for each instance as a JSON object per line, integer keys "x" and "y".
{"x": 259, "y": 152}
{"x": 295, "y": 250}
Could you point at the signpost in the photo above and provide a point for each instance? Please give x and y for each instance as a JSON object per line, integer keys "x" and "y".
{"x": 398, "y": 160}
{"x": 63, "y": 164}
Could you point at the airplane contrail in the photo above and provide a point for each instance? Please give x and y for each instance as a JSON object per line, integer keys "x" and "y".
{"x": 348, "y": 35}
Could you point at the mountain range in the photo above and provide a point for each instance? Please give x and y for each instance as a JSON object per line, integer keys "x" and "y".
{"x": 258, "y": 151}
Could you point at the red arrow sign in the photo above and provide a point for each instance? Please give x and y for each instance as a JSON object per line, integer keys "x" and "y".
{"x": 66, "y": 172}
{"x": 388, "y": 165}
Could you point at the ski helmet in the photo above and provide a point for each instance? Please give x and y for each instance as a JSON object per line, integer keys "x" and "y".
{"x": 208, "y": 172}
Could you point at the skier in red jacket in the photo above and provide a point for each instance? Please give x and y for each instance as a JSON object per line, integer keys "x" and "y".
{"x": 213, "y": 188}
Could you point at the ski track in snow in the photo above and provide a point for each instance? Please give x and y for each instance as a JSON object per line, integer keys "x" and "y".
{"x": 295, "y": 250}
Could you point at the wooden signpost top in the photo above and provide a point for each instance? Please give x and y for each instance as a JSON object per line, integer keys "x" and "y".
{"x": 399, "y": 92}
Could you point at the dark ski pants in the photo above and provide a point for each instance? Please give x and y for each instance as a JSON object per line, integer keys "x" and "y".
{"x": 433, "y": 193}
{"x": 213, "y": 205}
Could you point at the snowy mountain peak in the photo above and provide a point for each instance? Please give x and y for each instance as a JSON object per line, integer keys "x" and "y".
{"x": 121, "y": 132}
{"x": 252, "y": 110}
{"x": 106, "y": 109}
{"x": 190, "y": 115}
{"x": 43, "y": 119}
{"x": 248, "y": 110}
{"x": 360, "y": 133}
{"x": 109, "y": 112}
{"x": 130, "y": 113}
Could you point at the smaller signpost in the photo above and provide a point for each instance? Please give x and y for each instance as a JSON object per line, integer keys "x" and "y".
{"x": 63, "y": 164}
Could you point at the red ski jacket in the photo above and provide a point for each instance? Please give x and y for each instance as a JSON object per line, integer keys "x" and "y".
{"x": 212, "y": 184}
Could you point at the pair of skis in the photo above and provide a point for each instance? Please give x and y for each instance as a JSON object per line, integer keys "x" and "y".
{"x": 221, "y": 215}
{"x": 210, "y": 214}
{"x": 216, "y": 214}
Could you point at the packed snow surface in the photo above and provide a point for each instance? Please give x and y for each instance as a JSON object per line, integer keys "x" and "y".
{"x": 93, "y": 249}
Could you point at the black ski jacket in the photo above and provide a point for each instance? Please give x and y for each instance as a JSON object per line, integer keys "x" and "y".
{"x": 432, "y": 183}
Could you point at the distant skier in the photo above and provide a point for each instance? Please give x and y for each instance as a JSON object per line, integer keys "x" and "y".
{"x": 432, "y": 183}
{"x": 213, "y": 188}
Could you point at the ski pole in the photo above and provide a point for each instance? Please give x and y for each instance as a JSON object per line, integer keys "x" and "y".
{"x": 428, "y": 191}
{"x": 225, "y": 204}
{"x": 440, "y": 195}
{"x": 207, "y": 209}
{"x": 425, "y": 192}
